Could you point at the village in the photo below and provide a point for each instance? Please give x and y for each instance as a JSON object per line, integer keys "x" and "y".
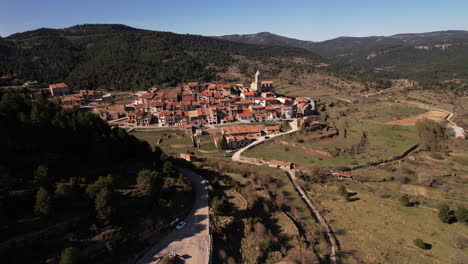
{"x": 195, "y": 108}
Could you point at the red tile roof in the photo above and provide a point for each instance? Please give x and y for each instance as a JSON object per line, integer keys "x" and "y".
{"x": 232, "y": 130}
{"x": 58, "y": 85}
{"x": 245, "y": 113}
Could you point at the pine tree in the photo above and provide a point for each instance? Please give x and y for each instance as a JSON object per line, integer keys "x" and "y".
{"x": 70, "y": 256}
{"x": 445, "y": 214}
{"x": 147, "y": 182}
{"x": 103, "y": 205}
{"x": 43, "y": 204}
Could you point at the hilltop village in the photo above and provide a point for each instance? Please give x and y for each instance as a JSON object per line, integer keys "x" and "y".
{"x": 196, "y": 104}
{"x": 203, "y": 104}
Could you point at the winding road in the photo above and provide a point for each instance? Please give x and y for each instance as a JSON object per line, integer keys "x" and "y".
{"x": 329, "y": 236}
{"x": 192, "y": 242}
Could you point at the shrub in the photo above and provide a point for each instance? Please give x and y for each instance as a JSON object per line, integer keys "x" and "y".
{"x": 420, "y": 244}
{"x": 431, "y": 135}
{"x": 461, "y": 213}
{"x": 343, "y": 192}
{"x": 445, "y": 214}
{"x": 405, "y": 200}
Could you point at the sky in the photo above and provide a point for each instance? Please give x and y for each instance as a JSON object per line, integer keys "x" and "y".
{"x": 314, "y": 20}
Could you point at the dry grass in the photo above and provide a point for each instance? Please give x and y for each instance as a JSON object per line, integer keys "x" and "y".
{"x": 380, "y": 230}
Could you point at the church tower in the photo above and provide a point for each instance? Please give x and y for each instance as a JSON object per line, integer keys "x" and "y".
{"x": 256, "y": 85}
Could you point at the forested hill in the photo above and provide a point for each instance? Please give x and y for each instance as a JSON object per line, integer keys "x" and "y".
{"x": 434, "y": 57}
{"x": 121, "y": 57}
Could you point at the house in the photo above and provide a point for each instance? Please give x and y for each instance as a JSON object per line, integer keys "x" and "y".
{"x": 59, "y": 89}
{"x": 342, "y": 176}
{"x": 280, "y": 164}
{"x": 304, "y": 109}
{"x": 266, "y": 85}
{"x": 91, "y": 95}
{"x": 272, "y": 130}
{"x": 143, "y": 118}
{"x": 251, "y": 131}
{"x": 235, "y": 142}
{"x": 247, "y": 95}
{"x": 287, "y": 111}
{"x": 166, "y": 118}
{"x": 72, "y": 100}
{"x": 245, "y": 116}
{"x": 188, "y": 157}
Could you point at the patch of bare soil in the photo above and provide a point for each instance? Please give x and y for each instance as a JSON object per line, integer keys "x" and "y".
{"x": 409, "y": 135}
{"x": 181, "y": 146}
{"x": 307, "y": 151}
{"x": 437, "y": 116}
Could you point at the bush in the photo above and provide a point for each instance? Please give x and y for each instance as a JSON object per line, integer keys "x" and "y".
{"x": 445, "y": 214}
{"x": 343, "y": 192}
{"x": 421, "y": 244}
{"x": 405, "y": 200}
{"x": 431, "y": 135}
{"x": 461, "y": 213}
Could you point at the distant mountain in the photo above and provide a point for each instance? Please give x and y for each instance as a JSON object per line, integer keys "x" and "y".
{"x": 122, "y": 57}
{"x": 346, "y": 46}
{"x": 267, "y": 38}
{"x": 446, "y": 56}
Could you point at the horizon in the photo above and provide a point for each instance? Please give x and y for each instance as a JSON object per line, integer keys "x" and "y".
{"x": 240, "y": 34}
{"x": 316, "y": 20}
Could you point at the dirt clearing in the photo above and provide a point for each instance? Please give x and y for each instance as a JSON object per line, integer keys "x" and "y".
{"x": 437, "y": 116}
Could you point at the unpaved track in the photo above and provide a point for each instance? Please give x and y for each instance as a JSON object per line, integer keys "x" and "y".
{"x": 329, "y": 236}
{"x": 193, "y": 241}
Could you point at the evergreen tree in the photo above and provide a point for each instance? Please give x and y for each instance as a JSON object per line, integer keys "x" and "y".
{"x": 43, "y": 204}
{"x": 41, "y": 176}
{"x": 445, "y": 214}
{"x": 70, "y": 256}
{"x": 103, "y": 205}
{"x": 103, "y": 182}
{"x": 147, "y": 182}
{"x": 168, "y": 169}
{"x": 343, "y": 192}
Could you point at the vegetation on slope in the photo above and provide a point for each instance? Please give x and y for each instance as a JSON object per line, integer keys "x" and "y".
{"x": 69, "y": 178}
{"x": 120, "y": 57}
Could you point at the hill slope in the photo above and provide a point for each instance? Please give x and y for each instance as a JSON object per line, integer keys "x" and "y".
{"x": 437, "y": 55}
{"x": 121, "y": 57}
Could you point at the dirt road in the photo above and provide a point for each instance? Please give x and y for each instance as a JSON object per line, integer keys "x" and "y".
{"x": 192, "y": 242}
{"x": 329, "y": 237}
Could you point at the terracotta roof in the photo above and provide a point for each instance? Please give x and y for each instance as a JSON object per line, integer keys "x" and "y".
{"x": 141, "y": 106}
{"x": 241, "y": 130}
{"x": 345, "y": 175}
{"x": 266, "y": 82}
{"x": 245, "y": 113}
{"x": 58, "y": 85}
{"x": 157, "y": 104}
{"x": 273, "y": 128}
{"x": 248, "y": 93}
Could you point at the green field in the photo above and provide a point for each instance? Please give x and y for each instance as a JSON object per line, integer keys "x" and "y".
{"x": 384, "y": 141}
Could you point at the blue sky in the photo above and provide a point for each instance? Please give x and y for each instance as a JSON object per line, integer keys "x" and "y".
{"x": 304, "y": 19}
